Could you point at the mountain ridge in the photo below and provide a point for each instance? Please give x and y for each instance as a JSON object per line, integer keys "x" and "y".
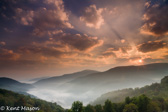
{"x": 13, "y": 85}
{"x": 65, "y": 77}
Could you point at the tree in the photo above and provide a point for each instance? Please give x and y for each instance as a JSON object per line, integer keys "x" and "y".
{"x": 68, "y": 110}
{"x": 127, "y": 100}
{"x": 98, "y": 108}
{"x": 166, "y": 106}
{"x": 130, "y": 108}
{"x": 153, "y": 107}
{"x": 143, "y": 102}
{"x": 89, "y": 108}
{"x": 108, "y": 107}
{"x": 77, "y": 106}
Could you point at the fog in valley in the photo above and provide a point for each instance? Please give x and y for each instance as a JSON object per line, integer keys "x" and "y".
{"x": 88, "y": 85}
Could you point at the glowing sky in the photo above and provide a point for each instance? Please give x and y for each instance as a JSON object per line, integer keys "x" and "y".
{"x": 52, "y": 37}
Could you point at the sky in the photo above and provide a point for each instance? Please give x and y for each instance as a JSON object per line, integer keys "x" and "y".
{"x": 52, "y": 37}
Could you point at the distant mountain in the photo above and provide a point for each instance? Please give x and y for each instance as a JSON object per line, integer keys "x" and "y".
{"x": 33, "y": 80}
{"x": 59, "y": 80}
{"x": 13, "y": 85}
{"x": 156, "y": 90}
{"x": 37, "y": 79}
{"x": 88, "y": 85}
{"x": 118, "y": 78}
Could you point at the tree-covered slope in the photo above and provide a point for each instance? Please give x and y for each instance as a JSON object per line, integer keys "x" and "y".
{"x": 140, "y": 103}
{"x": 11, "y": 99}
{"x": 154, "y": 90}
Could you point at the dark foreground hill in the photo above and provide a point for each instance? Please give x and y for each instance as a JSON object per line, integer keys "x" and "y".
{"x": 11, "y": 100}
{"x": 156, "y": 90}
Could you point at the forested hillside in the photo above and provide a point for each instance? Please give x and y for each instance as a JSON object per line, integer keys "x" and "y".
{"x": 13, "y": 100}
{"x": 141, "y": 103}
{"x": 153, "y": 98}
{"x": 152, "y": 91}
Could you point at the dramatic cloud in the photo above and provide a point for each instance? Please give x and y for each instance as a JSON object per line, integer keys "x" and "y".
{"x": 80, "y": 42}
{"x": 46, "y": 51}
{"x": 92, "y": 17}
{"x": 62, "y": 46}
{"x": 51, "y": 19}
{"x": 155, "y": 19}
{"x": 45, "y": 20}
{"x": 151, "y": 46}
{"x": 80, "y": 34}
{"x": 24, "y": 17}
{"x": 6, "y": 54}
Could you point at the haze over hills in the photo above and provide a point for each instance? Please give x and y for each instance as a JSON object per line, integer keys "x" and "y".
{"x": 33, "y": 80}
{"x": 153, "y": 91}
{"x": 13, "y": 85}
{"x": 115, "y": 78}
{"x": 86, "y": 87}
{"x": 120, "y": 77}
{"x": 58, "y": 80}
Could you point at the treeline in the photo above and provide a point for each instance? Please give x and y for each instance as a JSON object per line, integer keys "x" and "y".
{"x": 11, "y": 99}
{"x": 141, "y": 103}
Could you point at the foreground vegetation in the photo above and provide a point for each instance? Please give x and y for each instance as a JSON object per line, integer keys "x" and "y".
{"x": 141, "y": 103}
{"x": 8, "y": 98}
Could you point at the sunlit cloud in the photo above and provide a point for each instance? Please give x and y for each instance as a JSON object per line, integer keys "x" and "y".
{"x": 74, "y": 35}
{"x": 92, "y": 17}
{"x": 155, "y": 19}
{"x": 45, "y": 20}
{"x": 6, "y": 54}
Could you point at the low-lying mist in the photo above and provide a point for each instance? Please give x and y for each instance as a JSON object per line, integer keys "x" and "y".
{"x": 63, "y": 98}
{"x": 66, "y": 98}
{"x": 88, "y": 85}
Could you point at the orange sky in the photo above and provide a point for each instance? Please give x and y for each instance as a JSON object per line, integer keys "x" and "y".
{"x": 53, "y": 37}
